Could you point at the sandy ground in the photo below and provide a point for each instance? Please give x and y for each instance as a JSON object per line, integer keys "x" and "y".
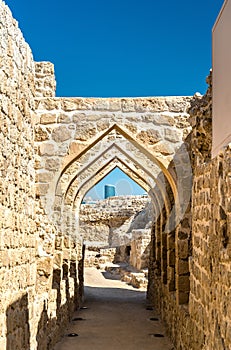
{"x": 115, "y": 319}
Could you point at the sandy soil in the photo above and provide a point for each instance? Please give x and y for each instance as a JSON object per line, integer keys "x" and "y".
{"x": 115, "y": 319}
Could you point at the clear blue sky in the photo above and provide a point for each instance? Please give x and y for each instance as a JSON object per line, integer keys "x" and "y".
{"x": 124, "y": 185}
{"x": 121, "y": 48}
{"x": 106, "y": 48}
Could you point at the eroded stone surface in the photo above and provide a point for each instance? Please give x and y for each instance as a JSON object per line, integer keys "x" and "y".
{"x": 54, "y": 149}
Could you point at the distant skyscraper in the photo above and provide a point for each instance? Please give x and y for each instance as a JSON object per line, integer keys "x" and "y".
{"x": 109, "y": 191}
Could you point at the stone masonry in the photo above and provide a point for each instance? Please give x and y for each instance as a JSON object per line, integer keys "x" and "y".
{"x": 38, "y": 265}
{"x": 53, "y": 150}
{"x": 99, "y": 222}
{"x": 203, "y": 321}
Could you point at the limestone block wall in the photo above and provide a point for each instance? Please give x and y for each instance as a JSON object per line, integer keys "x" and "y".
{"x": 38, "y": 266}
{"x": 106, "y": 222}
{"x": 18, "y": 243}
{"x": 210, "y": 297}
{"x": 79, "y": 138}
{"x": 53, "y": 150}
{"x": 200, "y": 251}
{"x": 201, "y": 121}
{"x": 141, "y": 220}
{"x": 140, "y": 249}
{"x": 45, "y": 82}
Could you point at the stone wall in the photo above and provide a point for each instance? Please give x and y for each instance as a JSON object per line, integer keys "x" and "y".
{"x": 123, "y": 222}
{"x": 80, "y": 140}
{"x": 108, "y": 221}
{"x": 140, "y": 249}
{"x": 45, "y": 82}
{"x": 37, "y": 291}
{"x": 53, "y": 150}
{"x": 18, "y": 235}
{"x": 210, "y": 299}
{"x": 199, "y": 248}
{"x": 201, "y": 121}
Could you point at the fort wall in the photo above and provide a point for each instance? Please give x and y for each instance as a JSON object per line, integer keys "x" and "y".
{"x": 53, "y": 150}
{"x": 36, "y": 296}
{"x": 107, "y": 222}
{"x": 202, "y": 321}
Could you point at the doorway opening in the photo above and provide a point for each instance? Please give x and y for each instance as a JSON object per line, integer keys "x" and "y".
{"x": 115, "y": 225}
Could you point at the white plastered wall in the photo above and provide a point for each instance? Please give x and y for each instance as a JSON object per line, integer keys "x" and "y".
{"x": 222, "y": 79}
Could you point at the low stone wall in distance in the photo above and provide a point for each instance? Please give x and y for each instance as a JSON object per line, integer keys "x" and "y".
{"x": 100, "y": 222}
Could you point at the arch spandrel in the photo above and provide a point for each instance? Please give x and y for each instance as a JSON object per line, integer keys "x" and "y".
{"x": 131, "y": 145}
{"x": 112, "y": 151}
{"x": 143, "y": 173}
{"x": 155, "y": 135}
{"x": 103, "y": 171}
{"x": 159, "y": 159}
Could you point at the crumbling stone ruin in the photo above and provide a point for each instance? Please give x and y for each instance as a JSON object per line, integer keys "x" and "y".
{"x": 109, "y": 222}
{"x": 53, "y": 150}
{"x": 116, "y": 234}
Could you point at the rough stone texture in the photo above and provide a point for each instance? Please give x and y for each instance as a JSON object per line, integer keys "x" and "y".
{"x": 99, "y": 223}
{"x": 140, "y": 249}
{"x": 45, "y": 82}
{"x": 198, "y": 250}
{"x": 97, "y": 257}
{"x": 53, "y": 150}
{"x": 211, "y": 260}
{"x": 85, "y": 136}
{"x": 201, "y": 121}
{"x": 36, "y": 297}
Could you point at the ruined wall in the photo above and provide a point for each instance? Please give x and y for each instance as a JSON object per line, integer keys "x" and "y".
{"x": 123, "y": 222}
{"x": 34, "y": 301}
{"x": 107, "y": 222}
{"x": 78, "y": 139}
{"x": 18, "y": 236}
{"x": 204, "y": 321}
{"x": 210, "y": 305}
{"x": 140, "y": 249}
{"x": 201, "y": 120}
{"x": 53, "y": 150}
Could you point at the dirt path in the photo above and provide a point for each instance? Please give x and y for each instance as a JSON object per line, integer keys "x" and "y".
{"x": 115, "y": 319}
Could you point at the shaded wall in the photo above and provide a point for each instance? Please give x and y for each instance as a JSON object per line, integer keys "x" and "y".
{"x": 200, "y": 248}
{"x": 35, "y": 304}
{"x": 18, "y": 226}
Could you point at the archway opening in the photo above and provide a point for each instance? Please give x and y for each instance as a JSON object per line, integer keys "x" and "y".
{"x": 116, "y": 229}
{"x": 117, "y": 148}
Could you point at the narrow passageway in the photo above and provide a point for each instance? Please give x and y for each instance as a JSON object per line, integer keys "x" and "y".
{"x": 115, "y": 318}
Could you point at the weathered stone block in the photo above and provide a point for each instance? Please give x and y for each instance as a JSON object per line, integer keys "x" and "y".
{"x": 52, "y": 164}
{"x": 42, "y": 189}
{"x": 183, "y": 267}
{"x": 41, "y": 134}
{"x": 183, "y": 249}
{"x": 128, "y": 105}
{"x": 61, "y": 134}
{"x": 48, "y": 118}
{"x": 47, "y": 149}
{"x": 115, "y": 104}
{"x": 85, "y": 132}
{"x": 101, "y": 104}
{"x": 64, "y": 118}
{"x": 150, "y": 136}
{"x": 182, "y": 298}
{"x": 173, "y": 135}
{"x": 44, "y": 176}
{"x": 163, "y": 148}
